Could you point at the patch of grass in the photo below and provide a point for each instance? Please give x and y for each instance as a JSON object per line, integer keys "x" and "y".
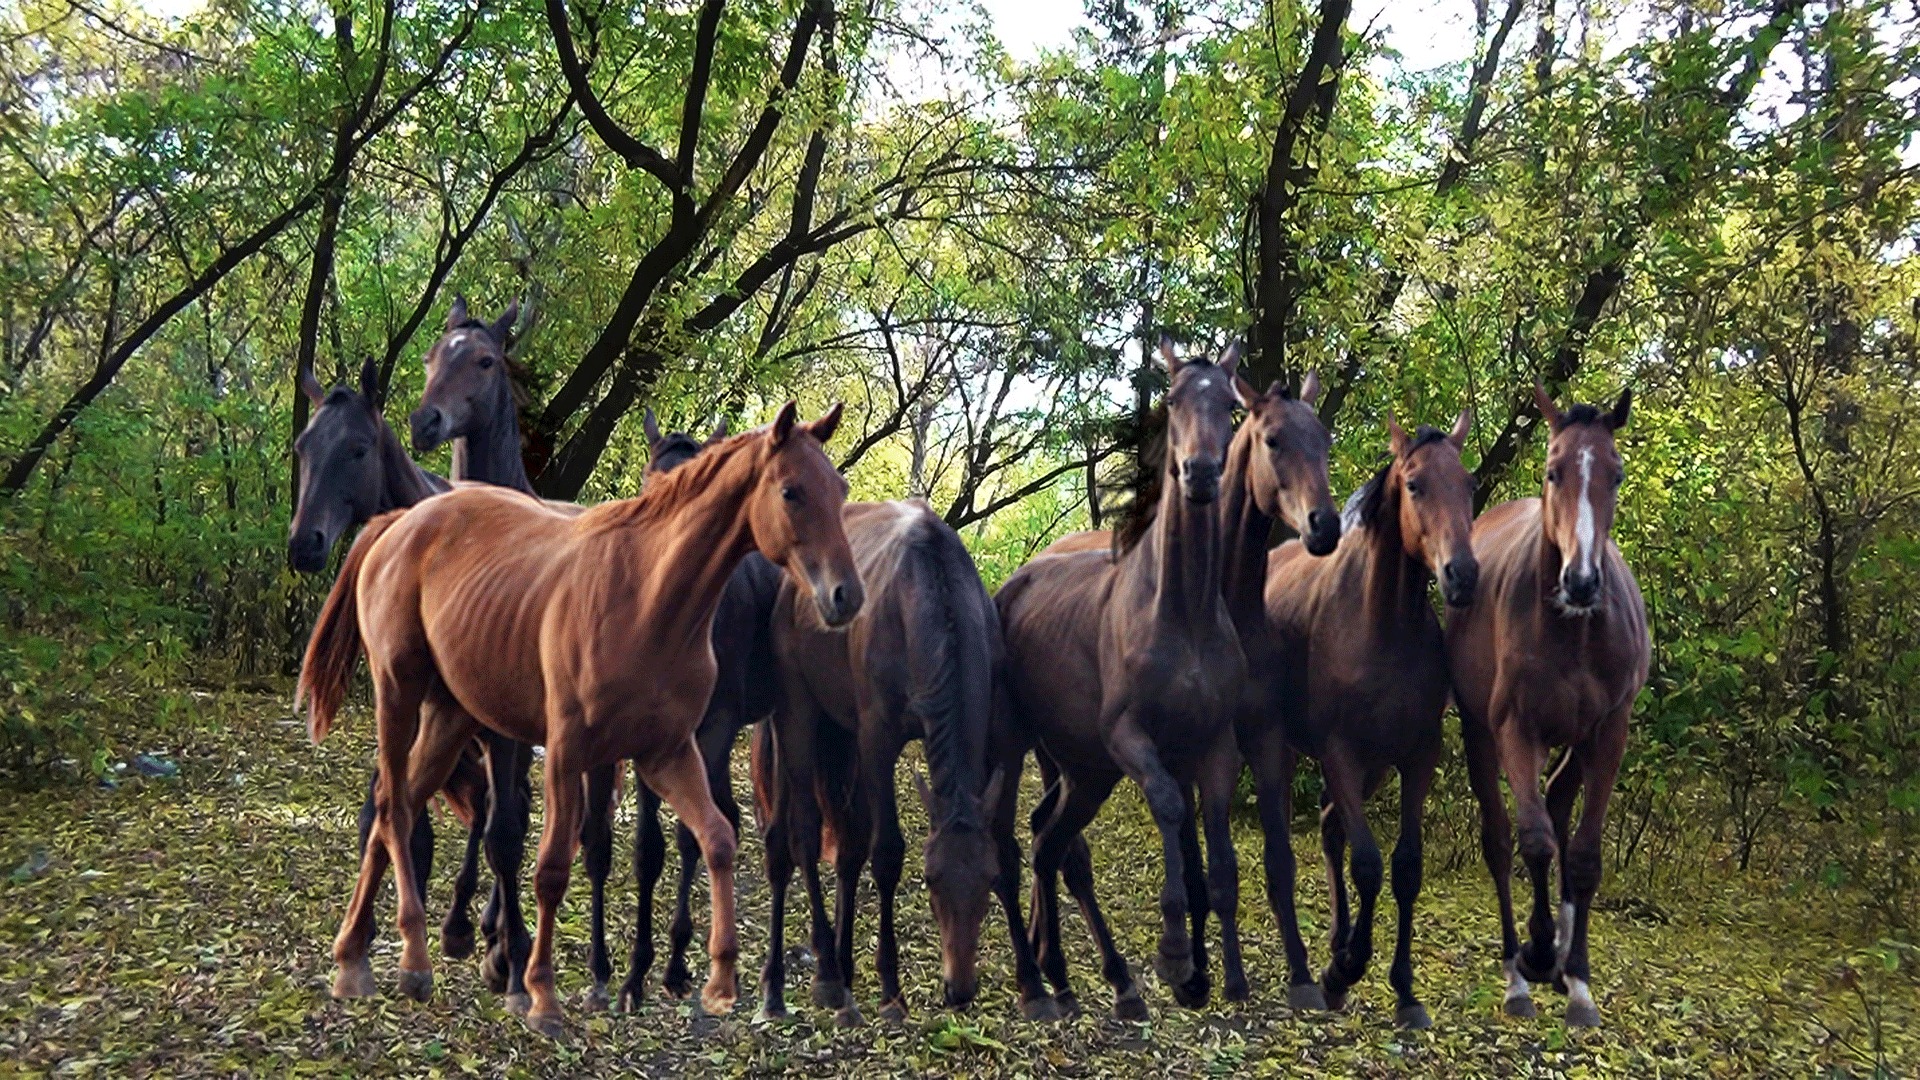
{"x": 184, "y": 926}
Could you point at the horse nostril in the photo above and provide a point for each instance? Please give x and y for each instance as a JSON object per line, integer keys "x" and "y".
{"x": 839, "y": 597}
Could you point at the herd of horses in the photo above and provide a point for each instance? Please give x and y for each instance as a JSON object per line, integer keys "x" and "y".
{"x": 741, "y": 588}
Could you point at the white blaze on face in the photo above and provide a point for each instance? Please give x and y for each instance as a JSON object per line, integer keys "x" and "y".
{"x": 1583, "y": 525}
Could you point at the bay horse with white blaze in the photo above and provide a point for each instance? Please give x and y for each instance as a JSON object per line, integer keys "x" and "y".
{"x": 1361, "y": 686}
{"x": 1128, "y": 665}
{"x": 1552, "y": 653}
{"x": 588, "y": 633}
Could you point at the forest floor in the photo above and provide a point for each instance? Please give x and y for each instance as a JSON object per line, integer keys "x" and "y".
{"x": 182, "y": 926}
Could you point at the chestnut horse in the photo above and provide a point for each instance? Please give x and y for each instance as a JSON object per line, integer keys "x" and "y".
{"x": 1128, "y": 665}
{"x": 918, "y": 663}
{"x": 588, "y": 633}
{"x": 1361, "y": 686}
{"x": 1276, "y": 471}
{"x": 1552, "y": 653}
{"x": 352, "y": 468}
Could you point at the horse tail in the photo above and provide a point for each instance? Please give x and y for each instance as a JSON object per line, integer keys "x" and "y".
{"x": 949, "y": 664}
{"x": 334, "y": 646}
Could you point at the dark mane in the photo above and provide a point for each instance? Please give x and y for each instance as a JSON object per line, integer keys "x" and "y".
{"x": 340, "y": 395}
{"x": 671, "y": 444}
{"x": 1581, "y": 414}
{"x": 1363, "y": 506}
{"x": 1141, "y": 479}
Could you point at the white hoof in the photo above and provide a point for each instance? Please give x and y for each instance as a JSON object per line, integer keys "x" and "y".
{"x": 1519, "y": 999}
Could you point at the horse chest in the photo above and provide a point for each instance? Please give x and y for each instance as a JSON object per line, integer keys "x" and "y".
{"x": 1196, "y": 677}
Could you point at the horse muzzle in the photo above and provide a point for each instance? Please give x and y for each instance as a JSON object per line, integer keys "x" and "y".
{"x": 1458, "y": 580}
{"x": 1323, "y": 532}
{"x": 838, "y": 602}
{"x": 429, "y": 428}
{"x": 307, "y": 551}
{"x": 1579, "y": 591}
{"x": 1200, "y": 481}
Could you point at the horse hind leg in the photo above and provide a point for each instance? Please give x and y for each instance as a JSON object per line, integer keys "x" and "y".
{"x": 1600, "y": 769}
{"x": 1522, "y": 760}
{"x": 1408, "y": 869}
{"x": 681, "y": 779}
{"x": 596, "y": 838}
{"x": 1563, "y": 787}
{"x": 649, "y": 858}
{"x": 1496, "y": 849}
{"x": 1346, "y": 787}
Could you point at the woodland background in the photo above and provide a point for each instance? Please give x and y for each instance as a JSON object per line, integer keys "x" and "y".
{"x": 709, "y": 207}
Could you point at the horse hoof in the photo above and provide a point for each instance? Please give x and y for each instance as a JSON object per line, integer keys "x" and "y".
{"x": 1173, "y": 969}
{"x": 1040, "y": 1009}
{"x": 894, "y": 1012}
{"x": 1130, "y": 1006}
{"x": 1193, "y": 993}
{"x": 520, "y": 1004}
{"x": 848, "y": 1016}
{"x": 718, "y": 1000}
{"x": 1306, "y": 996}
{"x": 494, "y": 970}
{"x": 1412, "y": 1017}
{"x": 631, "y": 996}
{"x": 1521, "y": 1005}
{"x": 596, "y": 1000}
{"x": 550, "y": 1024}
{"x": 678, "y": 982}
{"x": 1236, "y": 989}
{"x": 1583, "y": 1014}
{"x": 353, "y": 981}
{"x": 830, "y": 995}
{"x": 773, "y": 1011}
{"x": 456, "y": 944}
{"x": 1066, "y": 1003}
{"x": 417, "y": 985}
{"x": 1336, "y": 999}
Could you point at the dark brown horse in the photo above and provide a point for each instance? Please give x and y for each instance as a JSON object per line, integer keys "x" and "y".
{"x": 470, "y": 400}
{"x": 1128, "y": 665}
{"x": 1276, "y": 471}
{"x": 919, "y": 663}
{"x": 1552, "y": 653}
{"x": 588, "y": 633}
{"x": 352, "y": 468}
{"x": 1362, "y": 687}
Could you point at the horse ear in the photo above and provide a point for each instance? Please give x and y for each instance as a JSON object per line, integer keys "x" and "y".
{"x": 719, "y": 431}
{"x": 1167, "y": 355}
{"x": 1310, "y": 390}
{"x": 990, "y": 795}
{"x": 311, "y": 387}
{"x": 457, "y": 314}
{"x": 370, "y": 384}
{"x": 1245, "y": 391}
{"x": 1230, "y": 363}
{"x": 1461, "y": 425}
{"x": 926, "y": 794}
{"x": 783, "y": 423}
{"x": 823, "y": 428}
{"x": 1396, "y": 437}
{"x": 504, "y": 324}
{"x": 1617, "y": 419}
{"x": 1548, "y": 410}
{"x": 651, "y": 425}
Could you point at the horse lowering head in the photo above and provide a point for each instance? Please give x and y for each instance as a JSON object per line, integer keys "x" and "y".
{"x": 795, "y": 514}
{"x": 1200, "y": 403}
{"x": 1435, "y": 495}
{"x": 1582, "y": 489}
{"x": 962, "y": 862}
{"x": 341, "y": 478}
{"x": 467, "y": 377}
{"x": 1288, "y": 468}
{"x": 675, "y": 448}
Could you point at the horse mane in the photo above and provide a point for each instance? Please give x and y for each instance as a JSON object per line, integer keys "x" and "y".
{"x": 667, "y": 492}
{"x": 673, "y": 442}
{"x": 939, "y": 662}
{"x": 1580, "y": 414}
{"x": 1141, "y": 480}
{"x": 1363, "y": 506}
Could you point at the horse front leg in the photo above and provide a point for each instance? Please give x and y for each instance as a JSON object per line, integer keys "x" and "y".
{"x": 1600, "y": 770}
{"x": 1274, "y": 764}
{"x": 1035, "y": 1003}
{"x": 1219, "y": 775}
{"x": 889, "y": 859}
{"x": 1134, "y": 751}
{"x": 680, "y": 777}
{"x": 1057, "y": 844}
{"x": 469, "y": 785}
{"x": 1193, "y": 993}
{"x": 505, "y": 966}
{"x": 1522, "y": 760}
{"x": 1408, "y": 868}
{"x": 596, "y": 840}
{"x": 1496, "y": 848}
{"x": 649, "y": 858}
{"x": 566, "y": 807}
{"x": 716, "y": 735}
{"x": 1346, "y": 792}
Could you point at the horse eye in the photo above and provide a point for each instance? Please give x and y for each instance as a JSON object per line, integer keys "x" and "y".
{"x": 1273, "y": 441}
{"x": 1413, "y": 488}
{"x": 790, "y": 493}
{"x": 1617, "y": 478}
{"x": 1553, "y": 476}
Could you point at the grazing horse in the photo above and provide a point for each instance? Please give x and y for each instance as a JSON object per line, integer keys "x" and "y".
{"x": 1361, "y": 685}
{"x": 1128, "y": 665}
{"x": 918, "y": 663}
{"x": 1276, "y": 471}
{"x": 1552, "y": 653}
{"x": 588, "y": 633}
{"x": 352, "y": 468}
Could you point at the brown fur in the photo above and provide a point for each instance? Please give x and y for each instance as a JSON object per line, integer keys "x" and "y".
{"x": 333, "y": 649}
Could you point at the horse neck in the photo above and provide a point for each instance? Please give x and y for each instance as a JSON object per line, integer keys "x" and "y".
{"x": 1178, "y": 562}
{"x": 490, "y": 453}
{"x": 1395, "y": 579}
{"x": 694, "y": 547}
{"x": 1243, "y": 579}
{"x": 406, "y": 483}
